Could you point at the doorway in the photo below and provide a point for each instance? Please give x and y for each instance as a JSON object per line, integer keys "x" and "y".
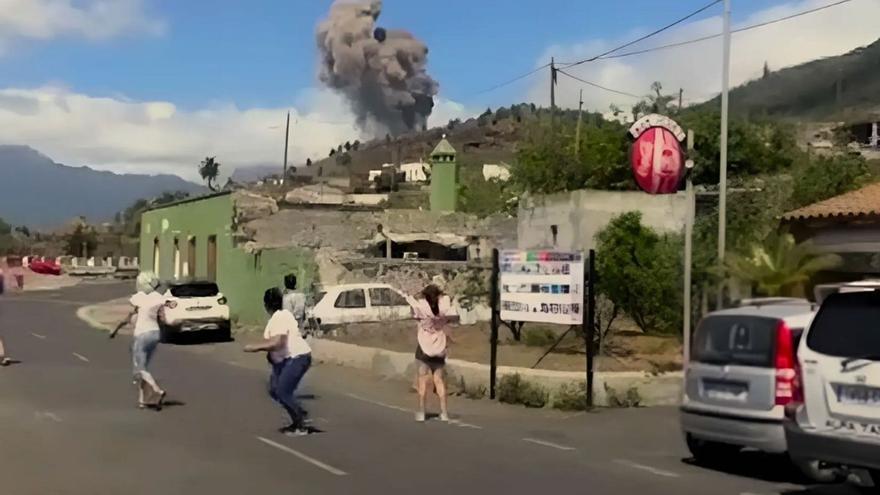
{"x": 212, "y": 258}
{"x": 191, "y": 258}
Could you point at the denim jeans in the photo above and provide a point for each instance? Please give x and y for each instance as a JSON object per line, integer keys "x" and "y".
{"x": 283, "y": 382}
{"x": 142, "y": 348}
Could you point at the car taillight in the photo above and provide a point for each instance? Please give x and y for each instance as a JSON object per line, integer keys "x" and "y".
{"x": 170, "y": 304}
{"x": 222, "y": 300}
{"x": 788, "y": 387}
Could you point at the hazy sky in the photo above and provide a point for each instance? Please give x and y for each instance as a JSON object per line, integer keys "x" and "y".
{"x": 153, "y": 85}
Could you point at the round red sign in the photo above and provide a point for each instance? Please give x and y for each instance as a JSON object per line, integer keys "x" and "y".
{"x": 657, "y": 161}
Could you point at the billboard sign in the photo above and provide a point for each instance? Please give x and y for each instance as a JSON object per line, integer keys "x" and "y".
{"x": 542, "y": 286}
{"x": 656, "y": 155}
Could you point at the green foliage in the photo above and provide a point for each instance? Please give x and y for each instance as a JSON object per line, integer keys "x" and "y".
{"x": 209, "y": 170}
{"x": 630, "y": 398}
{"x": 473, "y": 392}
{"x": 5, "y": 228}
{"x": 571, "y": 397}
{"x": 779, "y": 266}
{"x": 640, "y": 273}
{"x": 538, "y": 337}
{"x": 483, "y": 198}
{"x": 82, "y": 237}
{"x": 826, "y": 177}
{"x": 512, "y": 389}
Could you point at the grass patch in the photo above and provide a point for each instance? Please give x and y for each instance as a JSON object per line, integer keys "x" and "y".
{"x": 512, "y": 389}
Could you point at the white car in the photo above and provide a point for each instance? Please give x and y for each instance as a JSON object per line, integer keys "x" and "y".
{"x": 836, "y": 415}
{"x": 358, "y": 303}
{"x": 194, "y": 307}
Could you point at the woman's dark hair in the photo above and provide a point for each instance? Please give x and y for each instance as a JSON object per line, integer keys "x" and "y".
{"x": 290, "y": 282}
{"x": 272, "y": 300}
{"x": 432, "y": 294}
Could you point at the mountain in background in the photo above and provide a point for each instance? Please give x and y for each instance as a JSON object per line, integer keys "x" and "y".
{"x": 36, "y": 191}
{"x": 841, "y": 88}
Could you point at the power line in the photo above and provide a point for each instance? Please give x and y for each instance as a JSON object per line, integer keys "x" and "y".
{"x": 649, "y": 35}
{"x": 624, "y": 93}
{"x": 510, "y": 81}
{"x": 713, "y": 36}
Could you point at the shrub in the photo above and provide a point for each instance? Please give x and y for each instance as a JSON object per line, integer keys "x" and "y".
{"x": 630, "y": 398}
{"x": 539, "y": 337}
{"x": 571, "y": 397}
{"x": 473, "y": 392}
{"x": 512, "y": 389}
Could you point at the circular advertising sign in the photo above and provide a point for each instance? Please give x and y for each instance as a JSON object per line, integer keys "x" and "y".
{"x": 656, "y": 156}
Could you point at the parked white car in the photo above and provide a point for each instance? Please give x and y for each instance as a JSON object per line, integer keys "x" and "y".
{"x": 357, "y": 303}
{"x": 836, "y": 415}
{"x": 194, "y": 307}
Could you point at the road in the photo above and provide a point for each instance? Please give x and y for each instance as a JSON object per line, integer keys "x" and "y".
{"x": 69, "y": 425}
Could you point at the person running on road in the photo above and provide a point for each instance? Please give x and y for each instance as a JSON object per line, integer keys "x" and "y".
{"x": 290, "y": 357}
{"x": 430, "y": 310}
{"x": 147, "y": 303}
{"x": 295, "y": 302}
{"x": 4, "y": 360}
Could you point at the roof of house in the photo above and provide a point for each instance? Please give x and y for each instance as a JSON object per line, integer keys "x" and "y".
{"x": 861, "y": 202}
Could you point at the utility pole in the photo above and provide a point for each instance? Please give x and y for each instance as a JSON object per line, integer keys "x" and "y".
{"x": 552, "y": 94}
{"x": 680, "y": 98}
{"x": 722, "y": 186}
{"x": 577, "y": 137}
{"x": 286, "y": 139}
{"x": 688, "y": 246}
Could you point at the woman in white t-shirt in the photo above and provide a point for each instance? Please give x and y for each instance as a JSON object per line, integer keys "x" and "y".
{"x": 290, "y": 357}
{"x": 147, "y": 304}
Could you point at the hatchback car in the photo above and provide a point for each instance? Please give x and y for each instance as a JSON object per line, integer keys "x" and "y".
{"x": 194, "y": 307}
{"x": 357, "y": 303}
{"x": 836, "y": 414}
{"x": 740, "y": 378}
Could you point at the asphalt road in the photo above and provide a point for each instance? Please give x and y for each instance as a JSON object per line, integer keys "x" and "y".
{"x": 69, "y": 425}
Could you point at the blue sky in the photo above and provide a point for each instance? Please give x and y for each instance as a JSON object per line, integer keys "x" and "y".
{"x": 261, "y": 52}
{"x": 156, "y": 85}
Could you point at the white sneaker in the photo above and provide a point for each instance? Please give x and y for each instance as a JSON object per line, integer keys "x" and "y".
{"x": 420, "y": 417}
{"x": 444, "y": 417}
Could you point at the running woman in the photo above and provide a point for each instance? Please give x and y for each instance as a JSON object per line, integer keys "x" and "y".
{"x": 430, "y": 310}
{"x": 4, "y": 359}
{"x": 146, "y": 303}
{"x": 290, "y": 357}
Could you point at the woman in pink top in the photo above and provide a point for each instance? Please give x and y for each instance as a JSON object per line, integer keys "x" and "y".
{"x": 430, "y": 310}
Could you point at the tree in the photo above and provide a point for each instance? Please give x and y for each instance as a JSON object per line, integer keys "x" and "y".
{"x": 5, "y": 228}
{"x": 81, "y": 237}
{"x": 779, "y": 265}
{"x": 640, "y": 273}
{"x": 23, "y": 230}
{"x": 766, "y": 70}
{"x": 356, "y": 145}
{"x": 210, "y": 170}
{"x": 347, "y": 146}
{"x": 332, "y": 152}
{"x": 483, "y": 198}
{"x": 308, "y": 162}
{"x": 826, "y": 177}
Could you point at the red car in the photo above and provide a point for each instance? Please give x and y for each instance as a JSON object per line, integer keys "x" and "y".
{"x": 45, "y": 268}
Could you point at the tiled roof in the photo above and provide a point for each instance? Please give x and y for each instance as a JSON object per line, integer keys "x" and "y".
{"x": 861, "y": 202}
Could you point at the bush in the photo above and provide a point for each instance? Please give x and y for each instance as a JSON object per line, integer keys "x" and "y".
{"x": 630, "y": 398}
{"x": 473, "y": 392}
{"x": 512, "y": 389}
{"x": 826, "y": 177}
{"x": 539, "y": 337}
{"x": 640, "y": 272}
{"x": 571, "y": 397}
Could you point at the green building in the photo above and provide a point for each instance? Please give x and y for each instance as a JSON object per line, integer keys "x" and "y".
{"x": 197, "y": 239}
{"x": 444, "y": 178}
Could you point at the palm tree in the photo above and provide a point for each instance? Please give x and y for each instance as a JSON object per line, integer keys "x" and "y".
{"x": 209, "y": 170}
{"x": 780, "y": 266}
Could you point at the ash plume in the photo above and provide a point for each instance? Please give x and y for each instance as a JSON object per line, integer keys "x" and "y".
{"x": 382, "y": 73}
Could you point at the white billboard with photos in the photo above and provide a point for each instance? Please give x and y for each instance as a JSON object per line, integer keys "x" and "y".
{"x": 542, "y": 286}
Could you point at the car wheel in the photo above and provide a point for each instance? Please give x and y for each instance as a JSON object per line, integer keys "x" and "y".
{"x": 708, "y": 452}
{"x": 875, "y": 479}
{"x": 814, "y": 471}
{"x": 166, "y": 334}
{"x": 224, "y": 333}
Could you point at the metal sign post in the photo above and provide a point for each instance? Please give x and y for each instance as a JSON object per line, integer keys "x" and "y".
{"x": 590, "y": 322}
{"x": 493, "y": 339}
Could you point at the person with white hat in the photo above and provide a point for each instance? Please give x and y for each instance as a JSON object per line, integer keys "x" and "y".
{"x": 147, "y": 304}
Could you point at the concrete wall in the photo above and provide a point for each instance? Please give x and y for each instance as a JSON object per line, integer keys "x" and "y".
{"x": 242, "y": 276}
{"x": 654, "y": 390}
{"x": 580, "y": 215}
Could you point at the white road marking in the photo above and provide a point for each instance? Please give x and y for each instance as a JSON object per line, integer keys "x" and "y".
{"x": 652, "y": 470}
{"x": 81, "y": 357}
{"x": 548, "y": 444}
{"x": 456, "y": 422}
{"x": 326, "y": 467}
{"x": 47, "y": 414}
{"x": 41, "y": 337}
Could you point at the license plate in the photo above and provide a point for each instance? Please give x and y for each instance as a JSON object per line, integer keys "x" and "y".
{"x": 198, "y": 308}
{"x": 725, "y": 391}
{"x": 857, "y": 395}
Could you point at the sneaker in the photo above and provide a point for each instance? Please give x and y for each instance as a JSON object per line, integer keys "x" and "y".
{"x": 420, "y": 417}
{"x": 444, "y": 417}
{"x": 296, "y": 432}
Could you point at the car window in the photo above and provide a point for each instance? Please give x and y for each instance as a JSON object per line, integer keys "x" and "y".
{"x": 847, "y": 325}
{"x": 351, "y": 299}
{"x": 195, "y": 290}
{"x": 384, "y": 296}
{"x": 735, "y": 340}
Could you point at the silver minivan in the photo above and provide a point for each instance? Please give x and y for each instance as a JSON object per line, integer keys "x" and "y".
{"x": 741, "y": 375}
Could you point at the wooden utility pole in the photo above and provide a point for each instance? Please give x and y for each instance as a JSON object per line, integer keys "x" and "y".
{"x": 286, "y": 140}
{"x": 577, "y": 137}
{"x": 680, "y": 98}
{"x": 552, "y": 94}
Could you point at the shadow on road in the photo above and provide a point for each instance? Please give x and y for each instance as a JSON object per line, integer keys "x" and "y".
{"x": 199, "y": 338}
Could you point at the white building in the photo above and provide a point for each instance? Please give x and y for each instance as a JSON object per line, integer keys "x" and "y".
{"x": 496, "y": 172}
{"x": 415, "y": 172}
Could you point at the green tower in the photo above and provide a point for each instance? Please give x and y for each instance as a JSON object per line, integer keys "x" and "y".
{"x": 444, "y": 177}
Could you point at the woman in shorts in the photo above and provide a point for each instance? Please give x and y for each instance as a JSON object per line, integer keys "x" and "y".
{"x": 430, "y": 310}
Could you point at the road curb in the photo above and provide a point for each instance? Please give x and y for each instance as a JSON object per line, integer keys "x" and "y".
{"x": 83, "y": 314}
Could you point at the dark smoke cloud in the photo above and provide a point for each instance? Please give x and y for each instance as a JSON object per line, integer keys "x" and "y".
{"x": 382, "y": 73}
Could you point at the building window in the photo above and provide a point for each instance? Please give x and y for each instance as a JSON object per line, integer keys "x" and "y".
{"x": 386, "y": 297}
{"x": 191, "y": 257}
{"x": 351, "y": 299}
{"x": 177, "y": 260}
{"x": 156, "y": 261}
{"x": 554, "y": 230}
{"x": 212, "y": 258}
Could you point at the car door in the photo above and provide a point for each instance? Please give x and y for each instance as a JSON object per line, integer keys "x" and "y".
{"x": 388, "y": 304}
{"x": 840, "y": 365}
{"x": 732, "y": 367}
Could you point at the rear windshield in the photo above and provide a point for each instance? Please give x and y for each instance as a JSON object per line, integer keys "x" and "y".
{"x": 847, "y": 325}
{"x": 735, "y": 340}
{"x": 195, "y": 290}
